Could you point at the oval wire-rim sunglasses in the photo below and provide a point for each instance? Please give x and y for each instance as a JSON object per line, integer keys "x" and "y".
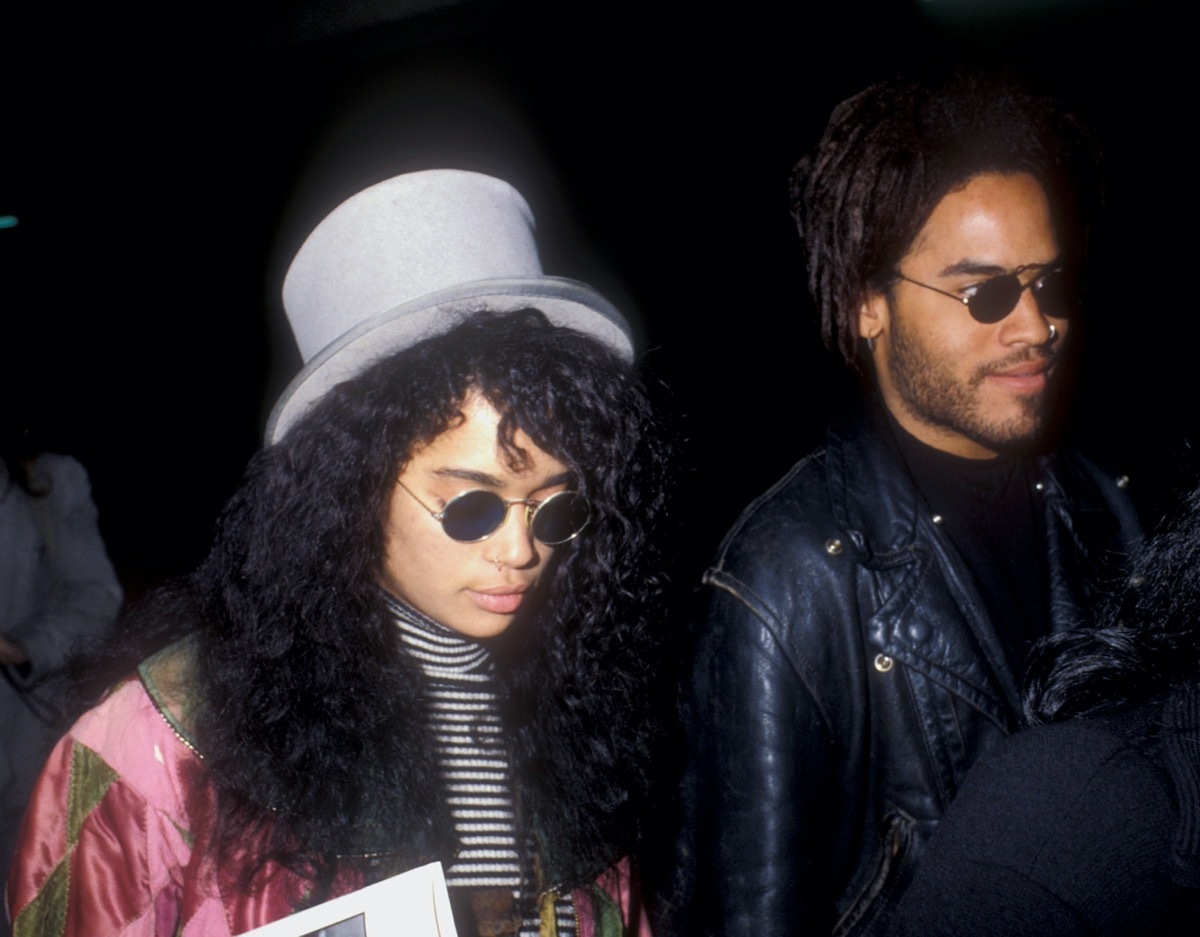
{"x": 995, "y": 298}
{"x": 475, "y": 515}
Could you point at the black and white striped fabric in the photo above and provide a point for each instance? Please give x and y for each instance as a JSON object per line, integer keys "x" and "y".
{"x": 464, "y": 714}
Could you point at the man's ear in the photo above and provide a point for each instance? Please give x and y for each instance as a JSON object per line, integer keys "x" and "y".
{"x": 873, "y": 316}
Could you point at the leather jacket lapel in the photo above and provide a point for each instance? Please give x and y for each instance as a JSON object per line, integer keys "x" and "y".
{"x": 939, "y": 628}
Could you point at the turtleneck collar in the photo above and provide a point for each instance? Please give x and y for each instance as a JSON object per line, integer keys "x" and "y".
{"x": 441, "y": 652}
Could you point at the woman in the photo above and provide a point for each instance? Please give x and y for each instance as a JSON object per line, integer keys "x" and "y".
{"x": 426, "y": 629}
{"x": 1089, "y": 822}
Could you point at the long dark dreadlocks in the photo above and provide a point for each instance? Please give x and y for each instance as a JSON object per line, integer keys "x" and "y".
{"x": 893, "y": 151}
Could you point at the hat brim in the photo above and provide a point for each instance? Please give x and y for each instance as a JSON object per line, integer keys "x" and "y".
{"x": 564, "y": 302}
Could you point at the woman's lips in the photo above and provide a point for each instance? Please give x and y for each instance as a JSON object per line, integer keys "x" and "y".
{"x": 502, "y": 602}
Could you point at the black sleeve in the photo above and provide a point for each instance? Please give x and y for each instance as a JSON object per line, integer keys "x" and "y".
{"x": 759, "y": 776}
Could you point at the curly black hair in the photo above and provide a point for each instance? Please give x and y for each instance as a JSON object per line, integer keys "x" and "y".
{"x": 1146, "y": 642}
{"x": 891, "y": 153}
{"x": 310, "y": 719}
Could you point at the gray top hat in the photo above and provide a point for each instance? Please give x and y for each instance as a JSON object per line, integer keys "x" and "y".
{"x": 404, "y": 260}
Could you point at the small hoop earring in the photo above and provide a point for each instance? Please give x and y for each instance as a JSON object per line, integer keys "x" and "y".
{"x": 1053, "y": 333}
{"x": 870, "y": 343}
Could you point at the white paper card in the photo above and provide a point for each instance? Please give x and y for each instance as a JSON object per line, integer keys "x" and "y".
{"x": 413, "y": 904}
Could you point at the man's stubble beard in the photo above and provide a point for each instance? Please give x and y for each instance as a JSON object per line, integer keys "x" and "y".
{"x": 932, "y": 393}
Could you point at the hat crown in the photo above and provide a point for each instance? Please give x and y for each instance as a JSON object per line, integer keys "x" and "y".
{"x": 403, "y": 261}
{"x": 399, "y": 240}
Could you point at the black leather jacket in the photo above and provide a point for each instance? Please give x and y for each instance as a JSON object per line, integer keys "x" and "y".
{"x": 848, "y": 676}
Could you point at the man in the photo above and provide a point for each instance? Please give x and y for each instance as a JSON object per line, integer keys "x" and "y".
{"x": 869, "y": 617}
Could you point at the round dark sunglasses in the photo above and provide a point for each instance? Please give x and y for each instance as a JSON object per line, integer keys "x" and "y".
{"x": 477, "y": 514}
{"x": 993, "y": 299}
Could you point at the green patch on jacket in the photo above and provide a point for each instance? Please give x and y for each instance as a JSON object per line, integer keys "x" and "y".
{"x": 46, "y": 915}
{"x": 91, "y": 778}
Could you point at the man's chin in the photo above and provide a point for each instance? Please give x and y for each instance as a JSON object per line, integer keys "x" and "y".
{"x": 1023, "y": 428}
{"x": 1016, "y": 438}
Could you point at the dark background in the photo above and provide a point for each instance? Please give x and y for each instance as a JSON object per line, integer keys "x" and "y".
{"x": 164, "y": 161}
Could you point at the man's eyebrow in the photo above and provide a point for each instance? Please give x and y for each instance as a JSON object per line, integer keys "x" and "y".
{"x": 979, "y": 268}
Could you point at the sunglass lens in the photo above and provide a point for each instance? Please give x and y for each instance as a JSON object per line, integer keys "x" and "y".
{"x": 995, "y": 299}
{"x": 560, "y": 517}
{"x": 473, "y": 516}
{"x": 1055, "y": 295}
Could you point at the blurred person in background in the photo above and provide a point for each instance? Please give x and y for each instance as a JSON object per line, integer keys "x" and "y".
{"x": 1088, "y": 822}
{"x": 57, "y": 587}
